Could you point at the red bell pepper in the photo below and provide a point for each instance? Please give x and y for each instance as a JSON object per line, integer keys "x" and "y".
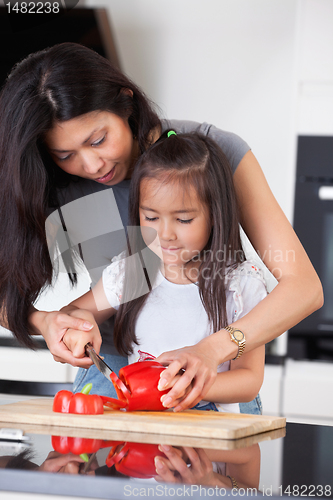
{"x": 77, "y": 445}
{"x": 134, "y": 459}
{"x": 136, "y": 387}
{"x": 81, "y": 402}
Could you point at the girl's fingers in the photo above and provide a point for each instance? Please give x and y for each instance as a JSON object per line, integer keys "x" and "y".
{"x": 176, "y": 450}
{"x": 76, "y": 341}
{"x": 200, "y": 381}
{"x": 192, "y": 398}
{"x": 169, "y": 373}
{"x": 180, "y": 388}
{"x": 178, "y": 464}
{"x": 163, "y": 472}
{"x": 63, "y": 355}
{"x": 198, "y": 458}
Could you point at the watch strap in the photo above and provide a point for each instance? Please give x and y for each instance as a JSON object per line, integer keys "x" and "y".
{"x": 240, "y": 343}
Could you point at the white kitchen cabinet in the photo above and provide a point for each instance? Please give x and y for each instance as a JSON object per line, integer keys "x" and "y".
{"x": 33, "y": 366}
{"x": 271, "y": 391}
{"x": 308, "y": 389}
{"x": 299, "y": 391}
{"x": 39, "y": 366}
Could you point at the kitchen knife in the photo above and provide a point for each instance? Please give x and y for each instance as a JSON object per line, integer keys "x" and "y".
{"x": 98, "y": 361}
{"x": 87, "y": 465}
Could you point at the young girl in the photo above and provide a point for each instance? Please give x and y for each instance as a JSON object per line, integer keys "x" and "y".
{"x": 184, "y": 275}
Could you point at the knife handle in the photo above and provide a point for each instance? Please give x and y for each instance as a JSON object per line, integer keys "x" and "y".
{"x": 88, "y": 348}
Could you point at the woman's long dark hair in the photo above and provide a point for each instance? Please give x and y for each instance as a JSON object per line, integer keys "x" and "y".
{"x": 192, "y": 160}
{"x": 56, "y": 84}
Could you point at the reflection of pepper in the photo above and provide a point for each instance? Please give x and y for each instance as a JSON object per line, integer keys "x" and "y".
{"x": 134, "y": 459}
{"x": 78, "y": 446}
{"x": 81, "y": 402}
{"x": 136, "y": 387}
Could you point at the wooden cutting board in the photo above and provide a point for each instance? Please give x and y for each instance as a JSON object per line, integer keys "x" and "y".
{"x": 205, "y": 424}
{"x": 143, "y": 437}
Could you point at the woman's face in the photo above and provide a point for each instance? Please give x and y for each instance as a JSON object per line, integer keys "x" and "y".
{"x": 98, "y": 146}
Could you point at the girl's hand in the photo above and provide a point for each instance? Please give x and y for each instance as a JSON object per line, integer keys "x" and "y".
{"x": 175, "y": 468}
{"x": 182, "y": 396}
{"x": 199, "y": 375}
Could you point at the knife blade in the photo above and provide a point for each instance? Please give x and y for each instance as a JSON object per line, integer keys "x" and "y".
{"x": 98, "y": 361}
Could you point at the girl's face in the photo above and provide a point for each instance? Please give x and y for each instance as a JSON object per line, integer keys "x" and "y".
{"x": 98, "y": 146}
{"x": 181, "y": 220}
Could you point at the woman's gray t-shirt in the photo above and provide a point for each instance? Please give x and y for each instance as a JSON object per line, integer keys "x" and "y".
{"x": 95, "y": 216}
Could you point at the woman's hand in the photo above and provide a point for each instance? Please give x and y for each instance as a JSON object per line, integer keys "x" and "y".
{"x": 53, "y": 326}
{"x": 76, "y": 340}
{"x": 175, "y": 468}
{"x": 199, "y": 375}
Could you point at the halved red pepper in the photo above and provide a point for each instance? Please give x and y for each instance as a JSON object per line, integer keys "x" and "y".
{"x": 134, "y": 459}
{"x": 81, "y": 402}
{"x": 77, "y": 445}
{"x": 136, "y": 387}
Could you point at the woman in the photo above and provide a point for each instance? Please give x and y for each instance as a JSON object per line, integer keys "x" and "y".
{"x": 71, "y": 129}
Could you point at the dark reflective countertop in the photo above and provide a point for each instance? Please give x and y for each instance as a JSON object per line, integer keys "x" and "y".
{"x": 295, "y": 461}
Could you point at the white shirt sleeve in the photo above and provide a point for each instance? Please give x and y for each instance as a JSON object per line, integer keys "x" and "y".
{"x": 248, "y": 288}
{"x": 113, "y": 280}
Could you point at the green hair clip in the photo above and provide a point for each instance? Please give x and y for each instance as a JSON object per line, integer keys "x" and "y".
{"x": 172, "y": 132}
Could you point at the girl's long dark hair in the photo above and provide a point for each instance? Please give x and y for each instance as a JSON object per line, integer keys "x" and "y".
{"x": 56, "y": 84}
{"x": 192, "y": 160}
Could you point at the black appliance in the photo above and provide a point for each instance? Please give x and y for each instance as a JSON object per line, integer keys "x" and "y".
{"x": 22, "y": 34}
{"x": 312, "y": 338}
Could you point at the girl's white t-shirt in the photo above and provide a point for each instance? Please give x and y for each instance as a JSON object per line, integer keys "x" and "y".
{"x": 173, "y": 315}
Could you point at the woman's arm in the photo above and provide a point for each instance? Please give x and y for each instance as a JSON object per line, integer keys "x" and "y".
{"x": 298, "y": 293}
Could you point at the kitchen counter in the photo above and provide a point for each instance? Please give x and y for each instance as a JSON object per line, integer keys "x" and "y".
{"x": 296, "y": 461}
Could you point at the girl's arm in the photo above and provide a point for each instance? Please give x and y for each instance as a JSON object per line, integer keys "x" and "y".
{"x": 242, "y": 382}
{"x": 67, "y": 331}
{"x": 298, "y": 293}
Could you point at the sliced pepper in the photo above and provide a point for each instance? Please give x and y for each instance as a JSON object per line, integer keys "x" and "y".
{"x": 134, "y": 459}
{"x": 80, "y": 403}
{"x": 136, "y": 387}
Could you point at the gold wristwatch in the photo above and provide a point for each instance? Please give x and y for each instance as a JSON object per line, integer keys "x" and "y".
{"x": 238, "y": 337}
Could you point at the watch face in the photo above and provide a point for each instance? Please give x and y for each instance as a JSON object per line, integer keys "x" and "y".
{"x": 238, "y": 335}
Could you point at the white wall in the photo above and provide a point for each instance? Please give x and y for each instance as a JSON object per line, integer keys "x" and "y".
{"x": 315, "y": 68}
{"x": 260, "y": 68}
{"x": 228, "y": 62}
